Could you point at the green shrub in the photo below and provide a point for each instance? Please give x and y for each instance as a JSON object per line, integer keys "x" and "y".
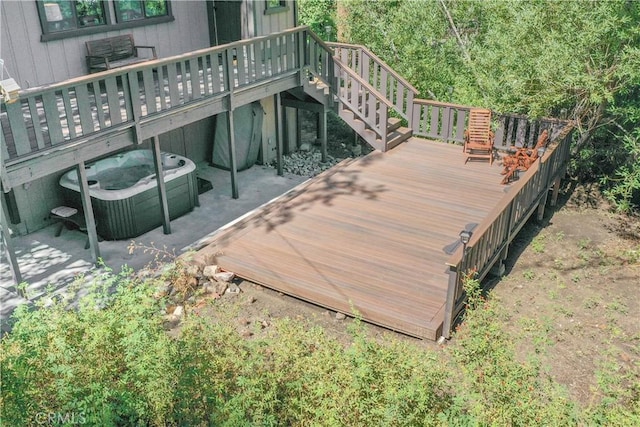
{"x": 112, "y": 365}
{"x": 107, "y": 358}
{"x": 494, "y": 386}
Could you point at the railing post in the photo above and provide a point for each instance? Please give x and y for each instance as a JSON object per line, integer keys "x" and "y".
{"x": 450, "y": 301}
{"x": 415, "y": 123}
{"x": 136, "y": 107}
{"x": 384, "y": 117}
{"x": 410, "y": 107}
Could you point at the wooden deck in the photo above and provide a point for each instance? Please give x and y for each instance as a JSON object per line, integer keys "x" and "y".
{"x": 370, "y": 237}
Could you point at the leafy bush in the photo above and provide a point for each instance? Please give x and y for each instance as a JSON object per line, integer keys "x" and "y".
{"x": 106, "y": 357}
{"x": 112, "y": 365}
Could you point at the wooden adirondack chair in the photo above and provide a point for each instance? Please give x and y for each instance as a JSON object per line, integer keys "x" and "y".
{"x": 478, "y": 138}
{"x": 523, "y": 158}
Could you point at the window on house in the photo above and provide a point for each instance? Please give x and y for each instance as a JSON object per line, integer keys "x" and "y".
{"x": 67, "y": 18}
{"x": 274, "y": 6}
{"x": 63, "y": 15}
{"x": 131, "y": 10}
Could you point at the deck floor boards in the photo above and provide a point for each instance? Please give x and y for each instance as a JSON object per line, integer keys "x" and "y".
{"x": 370, "y": 236}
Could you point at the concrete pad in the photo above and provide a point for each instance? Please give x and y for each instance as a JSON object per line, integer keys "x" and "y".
{"x": 49, "y": 262}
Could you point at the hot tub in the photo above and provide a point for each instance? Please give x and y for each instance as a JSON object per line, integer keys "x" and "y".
{"x": 124, "y": 192}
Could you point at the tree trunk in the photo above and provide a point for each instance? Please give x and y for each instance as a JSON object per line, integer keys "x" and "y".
{"x": 341, "y": 22}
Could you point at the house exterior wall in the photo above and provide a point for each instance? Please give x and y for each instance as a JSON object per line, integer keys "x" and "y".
{"x": 272, "y": 21}
{"x": 32, "y": 62}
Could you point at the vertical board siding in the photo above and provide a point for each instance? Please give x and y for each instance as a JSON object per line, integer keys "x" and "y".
{"x": 34, "y": 63}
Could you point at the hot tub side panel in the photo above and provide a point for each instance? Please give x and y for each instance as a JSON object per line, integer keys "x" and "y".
{"x": 135, "y": 215}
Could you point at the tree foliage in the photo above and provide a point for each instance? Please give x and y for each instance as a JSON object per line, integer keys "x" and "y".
{"x": 319, "y": 15}
{"x": 574, "y": 59}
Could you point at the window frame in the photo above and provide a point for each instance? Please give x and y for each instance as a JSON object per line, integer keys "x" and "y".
{"x": 269, "y": 9}
{"x": 117, "y": 11}
{"x": 111, "y": 24}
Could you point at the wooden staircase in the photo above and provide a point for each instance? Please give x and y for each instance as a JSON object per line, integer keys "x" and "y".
{"x": 359, "y": 105}
{"x": 396, "y": 133}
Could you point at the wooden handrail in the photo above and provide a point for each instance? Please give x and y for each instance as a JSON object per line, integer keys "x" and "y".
{"x": 455, "y": 258}
{"x": 514, "y": 208}
{"x": 325, "y": 45}
{"x": 363, "y": 82}
{"x": 118, "y": 96}
{"x": 379, "y": 61}
{"x": 158, "y": 62}
{"x": 441, "y": 104}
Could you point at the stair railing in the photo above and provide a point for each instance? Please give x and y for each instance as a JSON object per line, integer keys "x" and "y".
{"x": 378, "y": 75}
{"x": 364, "y": 101}
{"x": 317, "y": 57}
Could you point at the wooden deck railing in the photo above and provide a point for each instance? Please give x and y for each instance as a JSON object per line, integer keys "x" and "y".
{"x": 379, "y": 76}
{"x": 447, "y": 122}
{"x": 490, "y": 240}
{"x": 60, "y": 113}
{"x": 439, "y": 120}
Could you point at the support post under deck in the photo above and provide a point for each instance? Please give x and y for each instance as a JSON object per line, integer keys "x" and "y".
{"x": 88, "y": 212}
{"x": 162, "y": 190}
{"x": 323, "y": 133}
{"x": 556, "y": 190}
{"x": 541, "y": 206}
{"x": 8, "y": 245}
{"x": 279, "y": 142}
{"x": 233, "y": 167}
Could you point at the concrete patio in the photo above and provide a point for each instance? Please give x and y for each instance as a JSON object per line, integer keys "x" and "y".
{"x": 53, "y": 262}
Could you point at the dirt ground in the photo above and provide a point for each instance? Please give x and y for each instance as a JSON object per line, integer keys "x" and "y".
{"x": 573, "y": 290}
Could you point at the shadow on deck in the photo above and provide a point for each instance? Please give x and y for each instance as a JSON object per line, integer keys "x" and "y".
{"x": 370, "y": 237}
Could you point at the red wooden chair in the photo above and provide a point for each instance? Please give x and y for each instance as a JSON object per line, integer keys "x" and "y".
{"x": 523, "y": 158}
{"x": 478, "y": 138}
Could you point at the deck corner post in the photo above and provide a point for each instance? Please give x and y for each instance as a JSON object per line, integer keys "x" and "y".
{"x": 450, "y": 301}
{"x": 88, "y": 212}
{"x": 162, "y": 190}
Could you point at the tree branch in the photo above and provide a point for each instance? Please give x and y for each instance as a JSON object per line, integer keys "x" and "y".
{"x": 455, "y": 31}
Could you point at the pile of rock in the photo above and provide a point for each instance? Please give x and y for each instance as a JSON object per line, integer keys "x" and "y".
{"x": 185, "y": 283}
{"x": 306, "y": 162}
